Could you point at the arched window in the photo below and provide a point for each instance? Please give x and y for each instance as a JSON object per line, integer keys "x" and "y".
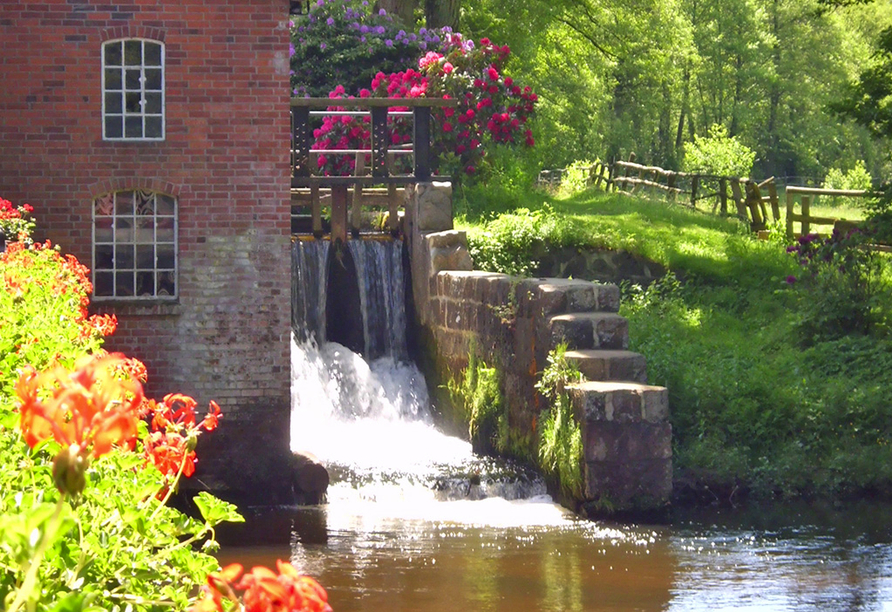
{"x": 132, "y": 90}
{"x": 135, "y": 246}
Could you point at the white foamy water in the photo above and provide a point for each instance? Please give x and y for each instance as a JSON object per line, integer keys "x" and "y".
{"x": 366, "y": 416}
{"x": 370, "y": 424}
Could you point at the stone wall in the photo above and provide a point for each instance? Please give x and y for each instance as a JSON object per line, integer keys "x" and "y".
{"x": 512, "y": 324}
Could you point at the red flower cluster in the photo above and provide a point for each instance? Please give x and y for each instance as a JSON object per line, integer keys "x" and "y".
{"x": 264, "y": 590}
{"x": 87, "y": 410}
{"x": 493, "y": 110}
{"x": 15, "y": 221}
{"x": 170, "y": 446}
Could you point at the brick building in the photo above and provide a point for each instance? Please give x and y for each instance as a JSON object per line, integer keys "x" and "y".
{"x": 152, "y": 139}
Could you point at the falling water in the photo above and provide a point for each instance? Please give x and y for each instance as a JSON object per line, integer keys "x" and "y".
{"x": 369, "y": 421}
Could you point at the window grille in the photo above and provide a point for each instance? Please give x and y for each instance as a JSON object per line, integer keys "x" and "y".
{"x": 135, "y": 246}
{"x": 132, "y": 90}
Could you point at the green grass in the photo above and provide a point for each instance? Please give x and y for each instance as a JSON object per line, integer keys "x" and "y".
{"x": 758, "y": 404}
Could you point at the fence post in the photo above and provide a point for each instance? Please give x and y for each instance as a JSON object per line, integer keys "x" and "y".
{"x": 393, "y": 216}
{"x": 806, "y": 213}
{"x": 738, "y": 197}
{"x": 422, "y": 136}
{"x": 601, "y": 169}
{"x": 670, "y": 184}
{"x": 772, "y": 195}
{"x": 356, "y": 213}
{"x": 695, "y": 182}
{"x": 790, "y": 204}
{"x": 380, "y": 141}
{"x": 316, "y": 210}
{"x": 339, "y": 214}
{"x": 754, "y": 200}
{"x": 300, "y": 140}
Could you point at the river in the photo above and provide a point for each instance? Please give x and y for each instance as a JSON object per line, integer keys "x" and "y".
{"x": 415, "y": 522}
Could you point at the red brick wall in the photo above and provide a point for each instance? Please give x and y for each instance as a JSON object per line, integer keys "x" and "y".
{"x": 226, "y": 159}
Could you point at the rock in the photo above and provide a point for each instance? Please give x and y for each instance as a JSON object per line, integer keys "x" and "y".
{"x": 309, "y": 479}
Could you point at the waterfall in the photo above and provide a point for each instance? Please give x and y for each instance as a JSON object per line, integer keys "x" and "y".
{"x": 367, "y": 416}
{"x": 309, "y": 270}
{"x": 379, "y": 266}
{"x": 378, "y": 280}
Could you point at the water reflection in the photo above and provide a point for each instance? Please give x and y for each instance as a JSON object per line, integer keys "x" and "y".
{"x": 710, "y": 563}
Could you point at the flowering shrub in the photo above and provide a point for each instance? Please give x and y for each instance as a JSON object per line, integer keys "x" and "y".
{"x": 16, "y": 223}
{"x": 43, "y": 310}
{"x": 491, "y": 108}
{"x": 841, "y": 286}
{"x": 347, "y": 42}
{"x": 88, "y": 464}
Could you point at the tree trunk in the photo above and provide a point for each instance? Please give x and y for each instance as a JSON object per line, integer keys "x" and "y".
{"x": 403, "y": 10}
{"x": 442, "y": 13}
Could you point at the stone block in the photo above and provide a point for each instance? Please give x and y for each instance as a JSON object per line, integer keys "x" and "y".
{"x": 607, "y": 298}
{"x": 603, "y": 365}
{"x": 626, "y": 442}
{"x": 656, "y": 405}
{"x": 434, "y": 206}
{"x": 639, "y": 485}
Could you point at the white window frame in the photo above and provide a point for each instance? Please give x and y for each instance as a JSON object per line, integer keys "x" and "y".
{"x": 142, "y": 83}
{"x": 134, "y": 242}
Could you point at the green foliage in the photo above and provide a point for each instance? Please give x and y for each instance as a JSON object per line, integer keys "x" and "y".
{"x": 327, "y": 49}
{"x": 42, "y": 312}
{"x": 841, "y": 289}
{"x": 753, "y": 408}
{"x": 479, "y": 394}
{"x": 576, "y": 178}
{"x": 560, "y": 436}
{"x": 508, "y": 243}
{"x": 867, "y": 99}
{"x": 856, "y": 178}
{"x": 719, "y": 154}
{"x": 115, "y": 545}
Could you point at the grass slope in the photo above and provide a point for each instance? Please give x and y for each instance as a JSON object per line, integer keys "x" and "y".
{"x": 759, "y": 405}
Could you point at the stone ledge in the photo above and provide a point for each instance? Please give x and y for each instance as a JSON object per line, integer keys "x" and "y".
{"x": 624, "y": 402}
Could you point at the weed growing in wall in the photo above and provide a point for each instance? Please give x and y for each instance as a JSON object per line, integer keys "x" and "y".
{"x": 479, "y": 393}
{"x": 560, "y": 436}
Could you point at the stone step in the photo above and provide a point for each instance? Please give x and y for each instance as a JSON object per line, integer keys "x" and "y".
{"x": 590, "y": 330}
{"x": 607, "y": 365}
{"x": 620, "y": 402}
{"x": 544, "y": 297}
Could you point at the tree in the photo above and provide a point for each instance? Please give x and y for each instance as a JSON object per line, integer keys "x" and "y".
{"x": 442, "y": 13}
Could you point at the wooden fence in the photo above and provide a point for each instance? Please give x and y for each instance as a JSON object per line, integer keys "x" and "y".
{"x": 752, "y": 201}
{"x": 805, "y": 218}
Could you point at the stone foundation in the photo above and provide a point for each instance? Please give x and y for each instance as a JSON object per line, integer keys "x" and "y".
{"x": 512, "y": 324}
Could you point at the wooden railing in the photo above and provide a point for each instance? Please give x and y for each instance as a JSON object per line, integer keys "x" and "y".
{"x": 310, "y": 188}
{"x": 652, "y": 181}
{"x": 805, "y": 195}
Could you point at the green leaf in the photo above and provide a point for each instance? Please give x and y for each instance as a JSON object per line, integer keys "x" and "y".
{"x": 216, "y": 511}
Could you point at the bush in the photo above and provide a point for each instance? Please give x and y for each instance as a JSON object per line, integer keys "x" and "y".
{"x": 492, "y": 110}
{"x": 509, "y": 242}
{"x": 88, "y": 463}
{"x": 576, "y": 177}
{"x": 346, "y": 42}
{"x": 856, "y": 178}
{"x": 719, "y": 154}
{"x": 841, "y": 287}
